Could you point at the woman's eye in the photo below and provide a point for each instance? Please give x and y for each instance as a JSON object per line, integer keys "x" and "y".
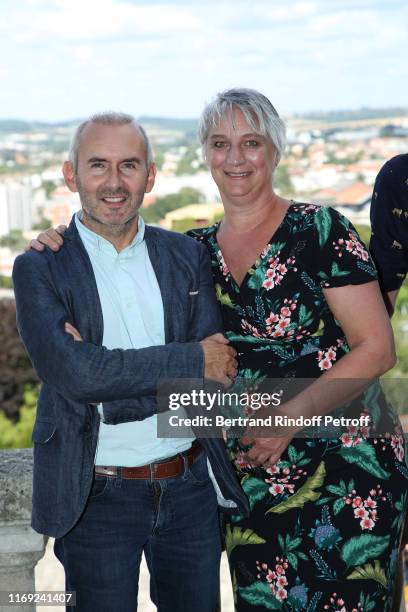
{"x": 219, "y": 144}
{"x": 251, "y": 143}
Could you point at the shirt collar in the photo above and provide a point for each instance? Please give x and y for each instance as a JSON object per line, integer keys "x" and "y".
{"x": 95, "y": 242}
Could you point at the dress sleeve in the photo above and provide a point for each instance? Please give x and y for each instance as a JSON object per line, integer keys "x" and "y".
{"x": 339, "y": 257}
{"x": 388, "y": 243}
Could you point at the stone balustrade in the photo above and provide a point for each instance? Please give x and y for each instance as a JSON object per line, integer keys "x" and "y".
{"x": 20, "y": 546}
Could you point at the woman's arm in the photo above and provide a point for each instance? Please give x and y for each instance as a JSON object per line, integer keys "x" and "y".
{"x": 360, "y": 312}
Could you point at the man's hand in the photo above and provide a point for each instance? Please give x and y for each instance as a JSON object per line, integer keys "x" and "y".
{"x": 70, "y": 329}
{"x": 265, "y": 451}
{"x": 219, "y": 359}
{"x": 51, "y": 238}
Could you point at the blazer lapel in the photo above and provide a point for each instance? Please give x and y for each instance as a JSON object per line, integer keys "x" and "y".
{"x": 161, "y": 267}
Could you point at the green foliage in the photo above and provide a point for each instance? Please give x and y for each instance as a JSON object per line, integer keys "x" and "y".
{"x": 19, "y": 435}
{"x": 364, "y": 232}
{"x": 16, "y": 371}
{"x": 6, "y": 282}
{"x": 14, "y": 240}
{"x": 42, "y": 225}
{"x": 165, "y": 204}
{"x": 185, "y": 164}
{"x": 49, "y": 188}
{"x": 282, "y": 181}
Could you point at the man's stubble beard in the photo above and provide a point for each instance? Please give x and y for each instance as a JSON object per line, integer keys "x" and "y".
{"x": 113, "y": 230}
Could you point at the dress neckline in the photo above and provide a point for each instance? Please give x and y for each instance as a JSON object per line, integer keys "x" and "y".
{"x": 264, "y": 253}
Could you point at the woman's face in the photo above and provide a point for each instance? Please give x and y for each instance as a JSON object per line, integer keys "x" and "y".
{"x": 241, "y": 162}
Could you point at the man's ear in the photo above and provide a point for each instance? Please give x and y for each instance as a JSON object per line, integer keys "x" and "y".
{"x": 69, "y": 176}
{"x": 151, "y": 175}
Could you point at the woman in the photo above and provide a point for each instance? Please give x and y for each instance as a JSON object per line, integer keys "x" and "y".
{"x": 299, "y": 298}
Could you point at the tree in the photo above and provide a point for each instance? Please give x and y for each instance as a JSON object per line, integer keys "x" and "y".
{"x": 281, "y": 180}
{"x": 16, "y": 371}
{"x": 165, "y": 204}
{"x": 14, "y": 240}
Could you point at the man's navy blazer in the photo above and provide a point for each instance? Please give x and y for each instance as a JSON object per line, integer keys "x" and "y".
{"x": 53, "y": 288}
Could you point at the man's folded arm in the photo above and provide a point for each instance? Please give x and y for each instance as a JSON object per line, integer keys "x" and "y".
{"x": 82, "y": 371}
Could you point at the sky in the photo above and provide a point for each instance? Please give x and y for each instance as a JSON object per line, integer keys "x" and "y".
{"x": 65, "y": 59}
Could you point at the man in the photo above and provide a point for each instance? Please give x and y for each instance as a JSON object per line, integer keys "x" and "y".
{"x": 142, "y": 300}
{"x": 389, "y": 249}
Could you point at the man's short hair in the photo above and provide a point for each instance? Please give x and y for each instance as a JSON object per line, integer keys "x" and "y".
{"x": 107, "y": 118}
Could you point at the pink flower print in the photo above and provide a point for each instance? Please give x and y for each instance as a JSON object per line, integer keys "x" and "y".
{"x": 361, "y": 513}
{"x": 370, "y": 503}
{"x": 331, "y": 354}
{"x": 346, "y": 440}
{"x": 276, "y": 489}
{"x": 398, "y": 447}
{"x": 274, "y": 469}
{"x": 352, "y": 245}
{"x": 273, "y": 318}
{"x": 282, "y": 581}
{"x": 281, "y": 594}
{"x": 270, "y": 576}
{"x": 325, "y": 364}
{"x": 357, "y": 502}
{"x": 367, "y": 524}
{"x": 285, "y": 311}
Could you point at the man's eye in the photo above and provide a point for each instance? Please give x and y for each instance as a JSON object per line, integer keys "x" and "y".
{"x": 129, "y": 166}
{"x": 97, "y": 165}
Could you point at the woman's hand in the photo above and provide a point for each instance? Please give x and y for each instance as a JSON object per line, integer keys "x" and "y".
{"x": 70, "y": 329}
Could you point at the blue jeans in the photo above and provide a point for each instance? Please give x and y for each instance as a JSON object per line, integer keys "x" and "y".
{"x": 173, "y": 521}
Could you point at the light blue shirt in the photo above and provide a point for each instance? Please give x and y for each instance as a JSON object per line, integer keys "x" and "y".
{"x": 133, "y": 317}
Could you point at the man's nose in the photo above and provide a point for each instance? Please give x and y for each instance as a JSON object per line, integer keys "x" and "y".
{"x": 113, "y": 178}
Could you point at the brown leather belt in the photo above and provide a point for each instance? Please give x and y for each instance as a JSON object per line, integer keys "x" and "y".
{"x": 168, "y": 468}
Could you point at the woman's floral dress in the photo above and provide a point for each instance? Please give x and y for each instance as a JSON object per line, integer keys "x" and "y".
{"x": 325, "y": 521}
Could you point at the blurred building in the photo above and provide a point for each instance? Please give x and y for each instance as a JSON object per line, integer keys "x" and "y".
{"x": 200, "y": 215}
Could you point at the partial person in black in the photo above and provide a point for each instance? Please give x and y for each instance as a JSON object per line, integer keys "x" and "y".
{"x": 389, "y": 250}
{"x": 389, "y": 227}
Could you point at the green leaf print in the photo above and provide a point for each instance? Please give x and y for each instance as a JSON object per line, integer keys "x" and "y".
{"x": 235, "y": 536}
{"x": 361, "y": 548}
{"x": 364, "y": 456}
{"x": 257, "y": 277}
{"x": 323, "y": 223}
{"x": 255, "y": 489}
{"x": 335, "y": 270}
{"x": 293, "y": 560}
{"x": 274, "y": 248}
{"x": 338, "y": 506}
{"x": 369, "y": 572}
{"x": 370, "y": 401}
{"x": 260, "y": 594}
{"x": 223, "y": 298}
{"x": 305, "y": 494}
{"x": 339, "y": 489}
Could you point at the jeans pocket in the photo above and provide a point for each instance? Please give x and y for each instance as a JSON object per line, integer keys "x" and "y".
{"x": 197, "y": 473}
{"x": 99, "y": 486}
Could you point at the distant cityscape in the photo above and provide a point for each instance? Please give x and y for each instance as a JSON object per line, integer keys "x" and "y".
{"x": 331, "y": 159}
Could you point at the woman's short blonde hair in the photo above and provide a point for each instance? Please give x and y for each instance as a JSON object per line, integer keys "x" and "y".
{"x": 257, "y": 110}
